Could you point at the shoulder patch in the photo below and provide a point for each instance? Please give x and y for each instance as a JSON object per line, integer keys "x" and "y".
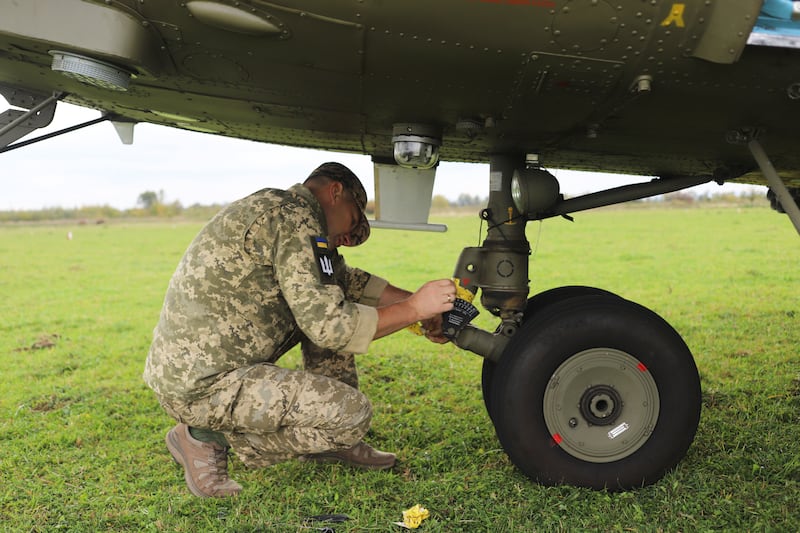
{"x": 324, "y": 257}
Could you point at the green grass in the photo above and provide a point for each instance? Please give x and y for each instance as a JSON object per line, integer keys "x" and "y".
{"x": 81, "y": 437}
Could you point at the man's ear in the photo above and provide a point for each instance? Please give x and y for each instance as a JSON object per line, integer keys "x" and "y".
{"x": 336, "y": 191}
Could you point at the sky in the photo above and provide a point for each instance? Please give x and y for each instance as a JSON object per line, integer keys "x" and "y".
{"x": 92, "y": 167}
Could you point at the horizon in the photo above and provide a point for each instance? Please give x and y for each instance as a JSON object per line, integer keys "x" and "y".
{"x": 91, "y": 167}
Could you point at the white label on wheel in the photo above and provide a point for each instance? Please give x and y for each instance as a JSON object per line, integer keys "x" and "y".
{"x": 619, "y": 430}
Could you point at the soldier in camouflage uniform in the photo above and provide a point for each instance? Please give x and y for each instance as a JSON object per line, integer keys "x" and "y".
{"x": 263, "y": 275}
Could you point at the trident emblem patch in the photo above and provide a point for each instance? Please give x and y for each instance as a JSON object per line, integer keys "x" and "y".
{"x": 324, "y": 256}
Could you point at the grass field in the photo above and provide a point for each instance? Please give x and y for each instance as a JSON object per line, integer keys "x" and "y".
{"x": 81, "y": 437}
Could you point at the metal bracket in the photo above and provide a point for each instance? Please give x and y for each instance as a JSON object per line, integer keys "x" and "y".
{"x": 785, "y": 198}
{"x": 16, "y": 123}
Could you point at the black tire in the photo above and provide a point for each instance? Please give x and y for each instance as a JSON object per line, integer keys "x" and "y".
{"x": 536, "y": 303}
{"x": 598, "y": 392}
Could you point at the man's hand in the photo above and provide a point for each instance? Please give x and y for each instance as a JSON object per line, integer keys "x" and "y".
{"x": 428, "y": 303}
{"x": 433, "y": 330}
{"x": 433, "y": 298}
{"x": 437, "y": 291}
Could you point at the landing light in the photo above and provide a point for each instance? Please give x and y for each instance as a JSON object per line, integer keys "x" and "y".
{"x": 416, "y": 145}
{"x": 90, "y": 71}
{"x": 534, "y": 190}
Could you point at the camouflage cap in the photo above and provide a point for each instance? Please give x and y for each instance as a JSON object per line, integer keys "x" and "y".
{"x": 345, "y": 176}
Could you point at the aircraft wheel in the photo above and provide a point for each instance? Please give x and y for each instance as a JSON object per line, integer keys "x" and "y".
{"x": 598, "y": 392}
{"x": 536, "y": 303}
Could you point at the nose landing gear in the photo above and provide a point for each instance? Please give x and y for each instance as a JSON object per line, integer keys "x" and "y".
{"x": 583, "y": 387}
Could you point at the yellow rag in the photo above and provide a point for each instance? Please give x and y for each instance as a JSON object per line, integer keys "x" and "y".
{"x": 461, "y": 293}
{"x": 413, "y": 517}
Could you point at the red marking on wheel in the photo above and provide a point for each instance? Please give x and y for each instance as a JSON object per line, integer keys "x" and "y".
{"x": 641, "y": 367}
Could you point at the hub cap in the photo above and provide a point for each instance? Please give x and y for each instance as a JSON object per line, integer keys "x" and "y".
{"x": 601, "y": 405}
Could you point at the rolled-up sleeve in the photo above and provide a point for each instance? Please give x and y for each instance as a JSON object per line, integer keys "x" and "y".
{"x": 365, "y": 331}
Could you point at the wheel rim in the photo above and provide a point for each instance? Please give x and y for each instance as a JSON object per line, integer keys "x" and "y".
{"x": 601, "y": 405}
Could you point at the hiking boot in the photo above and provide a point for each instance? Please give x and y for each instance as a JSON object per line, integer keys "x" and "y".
{"x": 205, "y": 464}
{"x": 362, "y": 455}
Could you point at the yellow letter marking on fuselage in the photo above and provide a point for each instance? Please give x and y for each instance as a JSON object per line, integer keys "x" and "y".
{"x": 675, "y": 16}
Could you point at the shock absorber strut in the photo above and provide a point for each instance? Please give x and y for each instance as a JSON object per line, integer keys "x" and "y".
{"x": 499, "y": 267}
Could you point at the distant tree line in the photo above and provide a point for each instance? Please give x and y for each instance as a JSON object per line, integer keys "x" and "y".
{"x": 750, "y": 197}
{"x": 464, "y": 200}
{"x": 151, "y": 204}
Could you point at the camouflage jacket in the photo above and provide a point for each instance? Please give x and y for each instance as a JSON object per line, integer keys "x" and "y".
{"x": 257, "y": 272}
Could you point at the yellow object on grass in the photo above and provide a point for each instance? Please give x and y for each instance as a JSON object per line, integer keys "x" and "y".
{"x": 413, "y": 517}
{"x": 461, "y": 294}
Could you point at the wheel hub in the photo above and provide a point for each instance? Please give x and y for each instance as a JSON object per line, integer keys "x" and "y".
{"x": 601, "y": 405}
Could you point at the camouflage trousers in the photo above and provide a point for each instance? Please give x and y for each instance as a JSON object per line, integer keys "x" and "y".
{"x": 270, "y": 414}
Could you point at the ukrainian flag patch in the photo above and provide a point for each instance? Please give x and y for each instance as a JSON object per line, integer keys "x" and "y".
{"x": 324, "y": 255}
